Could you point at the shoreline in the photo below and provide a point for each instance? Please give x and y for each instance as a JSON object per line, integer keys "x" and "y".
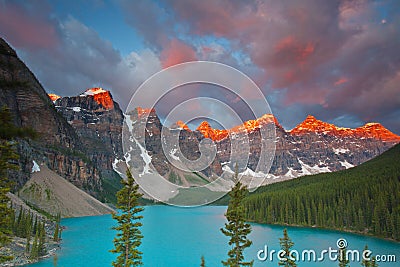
{"x": 329, "y": 229}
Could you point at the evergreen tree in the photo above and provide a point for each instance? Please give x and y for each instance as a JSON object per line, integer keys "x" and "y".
{"x": 203, "y": 262}
{"x": 236, "y": 228}
{"x": 35, "y": 248}
{"x": 373, "y": 262}
{"x": 286, "y": 245}
{"x": 42, "y": 240}
{"x": 56, "y": 236}
{"x": 343, "y": 261}
{"x": 8, "y": 157}
{"x": 366, "y": 263}
{"x": 28, "y": 242}
{"x": 129, "y": 236}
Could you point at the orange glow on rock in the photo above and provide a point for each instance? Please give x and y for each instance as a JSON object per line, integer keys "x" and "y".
{"x": 246, "y": 127}
{"x": 369, "y": 130}
{"x": 101, "y": 96}
{"x": 144, "y": 111}
{"x": 182, "y": 125}
{"x": 54, "y": 97}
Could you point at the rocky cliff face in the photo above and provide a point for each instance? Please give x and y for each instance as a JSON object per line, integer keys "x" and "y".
{"x": 97, "y": 120}
{"x": 58, "y": 145}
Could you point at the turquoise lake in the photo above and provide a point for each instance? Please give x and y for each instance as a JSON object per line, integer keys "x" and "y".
{"x": 178, "y": 237}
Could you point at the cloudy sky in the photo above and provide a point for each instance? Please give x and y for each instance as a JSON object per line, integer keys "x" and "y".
{"x": 337, "y": 60}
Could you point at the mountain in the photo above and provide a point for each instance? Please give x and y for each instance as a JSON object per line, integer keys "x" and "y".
{"x": 363, "y": 199}
{"x": 80, "y": 139}
{"x": 58, "y": 145}
{"x": 311, "y": 147}
{"x": 97, "y": 120}
{"x": 53, "y": 194}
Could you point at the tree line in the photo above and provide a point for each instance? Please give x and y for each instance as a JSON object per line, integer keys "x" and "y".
{"x": 363, "y": 199}
{"x": 25, "y": 225}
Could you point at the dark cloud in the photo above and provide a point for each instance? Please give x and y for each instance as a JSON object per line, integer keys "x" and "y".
{"x": 338, "y": 60}
{"x": 26, "y": 24}
{"x": 333, "y": 58}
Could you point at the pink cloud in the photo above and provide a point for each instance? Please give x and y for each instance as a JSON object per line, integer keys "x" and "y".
{"x": 27, "y": 30}
{"x": 176, "y": 52}
{"x": 341, "y": 81}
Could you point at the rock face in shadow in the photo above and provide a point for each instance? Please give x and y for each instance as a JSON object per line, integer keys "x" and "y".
{"x": 58, "y": 144}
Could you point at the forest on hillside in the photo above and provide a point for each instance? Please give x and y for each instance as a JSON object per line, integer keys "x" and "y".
{"x": 364, "y": 199}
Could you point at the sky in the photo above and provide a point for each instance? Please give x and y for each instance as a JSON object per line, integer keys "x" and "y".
{"x": 338, "y": 60}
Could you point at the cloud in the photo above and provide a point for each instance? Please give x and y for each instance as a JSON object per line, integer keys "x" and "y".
{"x": 76, "y": 58}
{"x": 335, "y": 57}
{"x": 176, "y": 52}
{"x": 27, "y": 26}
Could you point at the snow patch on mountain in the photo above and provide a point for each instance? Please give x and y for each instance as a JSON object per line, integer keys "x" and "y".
{"x": 35, "y": 167}
{"x": 340, "y": 151}
{"x": 145, "y": 156}
{"x": 172, "y": 154}
{"x": 346, "y": 164}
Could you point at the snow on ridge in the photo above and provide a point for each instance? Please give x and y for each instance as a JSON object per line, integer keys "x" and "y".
{"x": 290, "y": 173}
{"x": 172, "y": 154}
{"x": 145, "y": 156}
{"x": 35, "y": 167}
{"x": 93, "y": 91}
{"x": 76, "y": 109}
{"x": 340, "y": 151}
{"x": 115, "y": 165}
{"x": 250, "y": 172}
{"x": 307, "y": 169}
{"x": 346, "y": 164}
{"x": 129, "y": 122}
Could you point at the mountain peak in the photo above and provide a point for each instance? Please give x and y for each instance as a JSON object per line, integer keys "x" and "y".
{"x": 377, "y": 131}
{"x": 144, "y": 111}
{"x": 182, "y": 125}
{"x": 370, "y": 130}
{"x": 214, "y": 134}
{"x": 312, "y": 124}
{"x": 54, "y": 97}
{"x": 101, "y": 96}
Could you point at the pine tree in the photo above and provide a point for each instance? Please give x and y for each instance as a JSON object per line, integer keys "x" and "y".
{"x": 129, "y": 236}
{"x": 286, "y": 245}
{"x": 42, "y": 240}
{"x": 366, "y": 263}
{"x": 373, "y": 262}
{"x": 203, "y": 262}
{"x": 8, "y": 157}
{"x": 28, "y": 242}
{"x": 35, "y": 248}
{"x": 236, "y": 228}
{"x": 56, "y": 236}
{"x": 343, "y": 261}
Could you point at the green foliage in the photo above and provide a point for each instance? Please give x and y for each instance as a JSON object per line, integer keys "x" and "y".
{"x": 236, "y": 228}
{"x": 286, "y": 245}
{"x": 363, "y": 199}
{"x": 203, "y": 262}
{"x": 129, "y": 236}
{"x": 369, "y": 263}
{"x": 343, "y": 261}
{"x": 8, "y": 161}
{"x": 56, "y": 235}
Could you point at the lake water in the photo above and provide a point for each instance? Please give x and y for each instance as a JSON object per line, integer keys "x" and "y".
{"x": 178, "y": 237}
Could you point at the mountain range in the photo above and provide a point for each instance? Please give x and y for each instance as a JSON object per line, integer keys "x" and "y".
{"x": 80, "y": 138}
